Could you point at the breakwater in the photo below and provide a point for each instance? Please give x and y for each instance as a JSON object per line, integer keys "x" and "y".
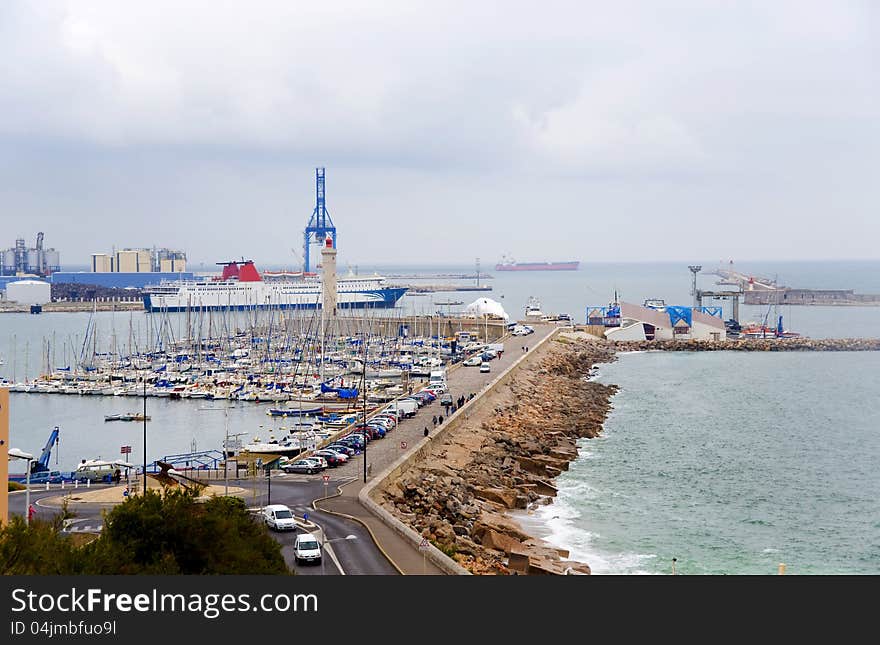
{"x": 753, "y": 345}
{"x": 504, "y": 456}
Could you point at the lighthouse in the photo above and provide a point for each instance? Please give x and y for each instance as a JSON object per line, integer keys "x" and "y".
{"x": 328, "y": 281}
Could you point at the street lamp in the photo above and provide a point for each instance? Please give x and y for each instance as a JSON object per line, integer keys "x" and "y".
{"x": 15, "y": 453}
{"x": 325, "y": 542}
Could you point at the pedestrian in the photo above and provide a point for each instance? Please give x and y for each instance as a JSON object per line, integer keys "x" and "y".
{"x": 440, "y": 419}
{"x": 434, "y": 420}
{"x": 426, "y": 431}
{"x": 454, "y": 409}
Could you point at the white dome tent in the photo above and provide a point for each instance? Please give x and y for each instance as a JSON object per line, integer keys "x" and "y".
{"x": 486, "y": 307}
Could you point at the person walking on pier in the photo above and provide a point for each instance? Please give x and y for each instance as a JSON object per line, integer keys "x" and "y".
{"x": 440, "y": 420}
{"x": 434, "y": 420}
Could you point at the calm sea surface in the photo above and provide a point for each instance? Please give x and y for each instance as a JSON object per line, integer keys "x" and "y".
{"x": 729, "y": 462}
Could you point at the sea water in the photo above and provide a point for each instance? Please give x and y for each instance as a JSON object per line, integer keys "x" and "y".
{"x": 731, "y": 463}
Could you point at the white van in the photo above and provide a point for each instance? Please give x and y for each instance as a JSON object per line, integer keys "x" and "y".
{"x": 306, "y": 548}
{"x": 437, "y": 376}
{"x": 406, "y": 407}
{"x": 279, "y": 517}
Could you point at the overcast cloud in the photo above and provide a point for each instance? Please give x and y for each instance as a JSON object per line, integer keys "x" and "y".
{"x": 549, "y": 130}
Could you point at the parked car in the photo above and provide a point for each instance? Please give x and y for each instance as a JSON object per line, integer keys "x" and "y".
{"x": 320, "y": 462}
{"x": 373, "y": 432}
{"x": 341, "y": 448}
{"x": 387, "y": 417}
{"x": 446, "y": 399}
{"x": 279, "y": 517}
{"x": 332, "y": 457}
{"x": 301, "y": 466}
{"x": 473, "y": 361}
{"x": 354, "y": 441}
{"x": 484, "y": 368}
{"x": 306, "y": 548}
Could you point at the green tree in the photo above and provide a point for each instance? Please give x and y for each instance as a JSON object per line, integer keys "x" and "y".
{"x": 175, "y": 534}
{"x": 170, "y": 533}
{"x": 38, "y": 549}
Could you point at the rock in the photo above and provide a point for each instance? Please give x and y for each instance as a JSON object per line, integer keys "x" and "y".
{"x": 460, "y": 529}
{"x": 499, "y": 541}
{"x": 503, "y": 496}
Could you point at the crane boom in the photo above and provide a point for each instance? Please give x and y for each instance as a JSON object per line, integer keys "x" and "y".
{"x": 42, "y": 463}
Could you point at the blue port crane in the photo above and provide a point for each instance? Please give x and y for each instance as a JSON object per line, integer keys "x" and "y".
{"x": 42, "y": 464}
{"x": 320, "y": 224}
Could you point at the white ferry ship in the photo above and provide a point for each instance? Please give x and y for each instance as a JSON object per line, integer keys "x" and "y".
{"x": 242, "y": 287}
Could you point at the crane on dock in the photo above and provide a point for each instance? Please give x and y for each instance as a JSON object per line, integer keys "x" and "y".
{"x": 42, "y": 464}
{"x": 320, "y": 224}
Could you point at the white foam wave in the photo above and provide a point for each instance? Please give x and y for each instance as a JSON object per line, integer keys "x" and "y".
{"x": 561, "y": 525}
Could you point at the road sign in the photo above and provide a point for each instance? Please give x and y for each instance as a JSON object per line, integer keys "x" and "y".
{"x": 423, "y": 545}
{"x": 125, "y": 450}
{"x": 326, "y": 478}
{"x": 403, "y": 445}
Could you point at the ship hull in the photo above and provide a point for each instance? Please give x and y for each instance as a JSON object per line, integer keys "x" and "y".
{"x": 538, "y": 266}
{"x": 264, "y": 296}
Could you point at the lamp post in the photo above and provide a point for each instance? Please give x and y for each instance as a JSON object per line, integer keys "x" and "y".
{"x": 145, "y": 436}
{"x": 15, "y": 453}
{"x": 326, "y": 542}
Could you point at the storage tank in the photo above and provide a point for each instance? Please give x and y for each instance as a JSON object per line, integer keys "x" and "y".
{"x": 52, "y": 259}
{"x": 33, "y": 261}
{"x": 9, "y": 262}
{"x": 29, "y": 292}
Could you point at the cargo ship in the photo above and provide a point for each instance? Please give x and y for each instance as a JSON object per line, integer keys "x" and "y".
{"x": 509, "y": 264}
{"x": 241, "y": 287}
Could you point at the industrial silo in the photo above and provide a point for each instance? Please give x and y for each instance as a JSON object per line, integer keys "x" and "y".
{"x": 34, "y": 264}
{"x": 9, "y": 262}
{"x": 29, "y": 292}
{"x": 52, "y": 259}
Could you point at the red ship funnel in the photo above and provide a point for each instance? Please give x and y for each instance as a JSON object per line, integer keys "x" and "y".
{"x": 230, "y": 270}
{"x": 248, "y": 273}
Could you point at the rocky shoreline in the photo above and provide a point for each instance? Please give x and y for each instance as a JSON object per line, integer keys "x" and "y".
{"x": 753, "y": 345}
{"x": 506, "y": 457}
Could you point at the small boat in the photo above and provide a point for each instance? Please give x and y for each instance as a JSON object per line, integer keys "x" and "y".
{"x": 127, "y": 416}
{"x": 533, "y": 309}
{"x": 294, "y": 412}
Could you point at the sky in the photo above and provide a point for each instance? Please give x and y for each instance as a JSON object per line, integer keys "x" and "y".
{"x": 596, "y": 131}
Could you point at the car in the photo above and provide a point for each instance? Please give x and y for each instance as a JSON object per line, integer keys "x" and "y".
{"x": 348, "y": 451}
{"x": 279, "y": 517}
{"x": 354, "y": 441}
{"x": 485, "y": 369}
{"x": 301, "y": 466}
{"x": 386, "y": 417}
{"x": 446, "y": 399}
{"x": 437, "y": 388}
{"x": 332, "y": 457}
{"x": 473, "y": 361}
{"x": 373, "y": 432}
{"x": 306, "y": 548}
{"x": 320, "y": 462}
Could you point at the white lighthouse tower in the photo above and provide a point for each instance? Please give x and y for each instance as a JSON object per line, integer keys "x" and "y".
{"x": 328, "y": 282}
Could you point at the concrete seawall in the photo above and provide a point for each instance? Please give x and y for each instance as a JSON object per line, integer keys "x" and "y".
{"x": 418, "y": 453}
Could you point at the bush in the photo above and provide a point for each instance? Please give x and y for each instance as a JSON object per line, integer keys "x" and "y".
{"x": 172, "y": 533}
{"x": 149, "y": 534}
{"x": 16, "y": 486}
